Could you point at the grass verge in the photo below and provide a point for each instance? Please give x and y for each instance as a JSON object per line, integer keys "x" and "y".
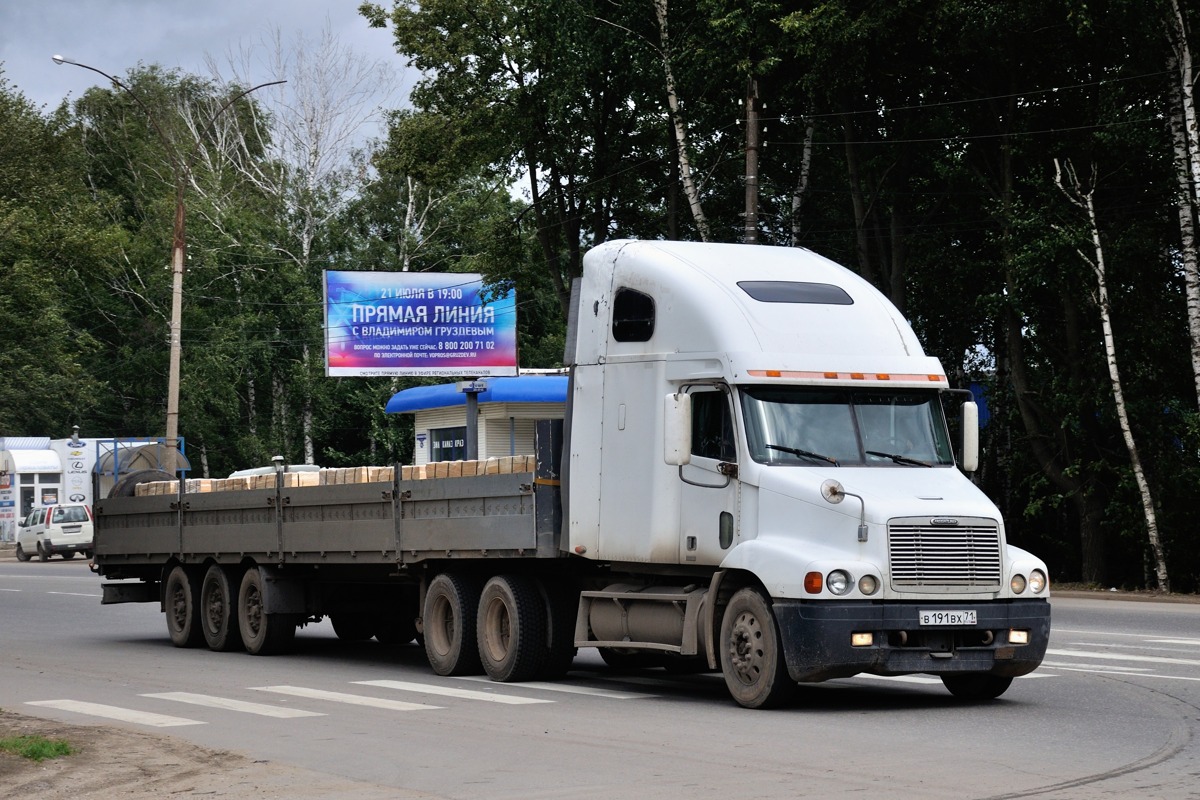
{"x": 36, "y": 748}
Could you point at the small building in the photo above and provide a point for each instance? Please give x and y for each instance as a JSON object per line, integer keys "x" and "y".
{"x": 37, "y": 471}
{"x": 508, "y": 408}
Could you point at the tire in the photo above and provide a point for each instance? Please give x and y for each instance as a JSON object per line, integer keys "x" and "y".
{"x": 629, "y": 660}
{"x": 353, "y": 627}
{"x": 396, "y": 630}
{"x": 752, "y": 653}
{"x": 451, "y": 604}
{"x": 180, "y": 594}
{"x": 42, "y": 554}
{"x": 562, "y": 606}
{"x": 21, "y": 554}
{"x": 976, "y": 686}
{"x": 218, "y": 619}
{"x": 128, "y": 484}
{"x": 69, "y": 555}
{"x": 263, "y": 634}
{"x": 511, "y": 628}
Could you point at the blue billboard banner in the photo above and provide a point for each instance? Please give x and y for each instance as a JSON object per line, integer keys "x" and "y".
{"x": 421, "y": 324}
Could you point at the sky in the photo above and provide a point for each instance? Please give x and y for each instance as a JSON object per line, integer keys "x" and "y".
{"x": 115, "y": 35}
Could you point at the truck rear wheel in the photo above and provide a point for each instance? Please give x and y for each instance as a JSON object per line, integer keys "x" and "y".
{"x": 511, "y": 628}
{"x": 451, "y": 603}
{"x": 976, "y": 686}
{"x": 562, "y": 606}
{"x": 263, "y": 634}
{"x": 217, "y": 617}
{"x": 180, "y": 595}
{"x": 752, "y": 652}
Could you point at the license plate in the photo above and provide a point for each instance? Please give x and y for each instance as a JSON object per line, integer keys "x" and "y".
{"x": 936, "y": 618}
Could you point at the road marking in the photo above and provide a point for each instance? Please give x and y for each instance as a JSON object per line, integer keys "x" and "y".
{"x": 1058, "y": 665}
{"x": 1183, "y": 662}
{"x": 448, "y": 691}
{"x": 113, "y": 712}
{"x": 12, "y": 590}
{"x": 568, "y": 689}
{"x": 75, "y": 594}
{"x": 343, "y": 697}
{"x": 1192, "y": 642}
{"x": 1127, "y": 672}
{"x": 228, "y": 704}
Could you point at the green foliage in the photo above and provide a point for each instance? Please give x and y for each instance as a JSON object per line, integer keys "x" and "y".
{"x": 36, "y": 748}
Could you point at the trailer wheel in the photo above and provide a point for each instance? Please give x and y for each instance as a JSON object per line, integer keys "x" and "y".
{"x": 511, "y": 628}
{"x": 183, "y": 611}
{"x": 451, "y": 603}
{"x": 218, "y": 619}
{"x": 396, "y": 629}
{"x": 562, "y": 606}
{"x": 976, "y": 686}
{"x": 263, "y": 634}
{"x": 752, "y": 653}
{"x": 353, "y": 627}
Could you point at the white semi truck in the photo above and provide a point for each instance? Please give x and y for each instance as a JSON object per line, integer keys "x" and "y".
{"x": 755, "y": 476}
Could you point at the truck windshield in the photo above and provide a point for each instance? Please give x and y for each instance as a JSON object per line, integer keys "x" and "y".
{"x": 823, "y": 427}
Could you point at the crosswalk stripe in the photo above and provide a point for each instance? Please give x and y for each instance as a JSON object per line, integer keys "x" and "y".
{"x": 115, "y": 712}
{"x": 228, "y": 704}
{"x": 1127, "y": 672}
{"x": 1104, "y": 656}
{"x": 343, "y": 697}
{"x": 568, "y": 689}
{"x": 447, "y": 691}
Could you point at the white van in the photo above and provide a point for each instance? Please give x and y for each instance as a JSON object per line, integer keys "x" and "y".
{"x": 62, "y": 529}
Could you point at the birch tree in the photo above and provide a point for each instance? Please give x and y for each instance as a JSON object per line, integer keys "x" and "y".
{"x": 1082, "y": 197}
{"x": 1185, "y": 136}
{"x": 297, "y": 147}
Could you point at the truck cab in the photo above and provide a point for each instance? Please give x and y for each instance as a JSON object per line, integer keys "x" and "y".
{"x": 763, "y": 422}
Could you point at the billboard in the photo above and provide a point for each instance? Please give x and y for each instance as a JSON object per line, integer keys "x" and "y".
{"x": 423, "y": 324}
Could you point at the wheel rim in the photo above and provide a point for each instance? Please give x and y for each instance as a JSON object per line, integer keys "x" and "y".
{"x": 179, "y": 610}
{"x": 440, "y": 635}
{"x": 747, "y": 649}
{"x": 497, "y": 633}
{"x": 214, "y": 607}
{"x": 253, "y": 618}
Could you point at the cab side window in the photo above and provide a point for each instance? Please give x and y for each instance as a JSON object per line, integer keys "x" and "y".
{"x": 712, "y": 426}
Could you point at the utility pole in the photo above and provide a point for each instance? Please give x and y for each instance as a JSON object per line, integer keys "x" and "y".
{"x": 181, "y": 169}
{"x": 752, "y": 144}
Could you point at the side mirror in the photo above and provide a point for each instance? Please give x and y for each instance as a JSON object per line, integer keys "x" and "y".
{"x": 970, "y": 434}
{"x": 677, "y": 429}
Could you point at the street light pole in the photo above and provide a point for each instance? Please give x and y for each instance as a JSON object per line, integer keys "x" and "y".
{"x": 181, "y": 169}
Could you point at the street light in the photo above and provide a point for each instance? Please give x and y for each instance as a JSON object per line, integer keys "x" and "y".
{"x": 180, "y": 169}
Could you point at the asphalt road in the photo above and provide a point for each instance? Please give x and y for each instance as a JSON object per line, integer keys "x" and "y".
{"x": 1114, "y": 712}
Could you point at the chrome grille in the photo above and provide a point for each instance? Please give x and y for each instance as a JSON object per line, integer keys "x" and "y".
{"x": 946, "y": 557}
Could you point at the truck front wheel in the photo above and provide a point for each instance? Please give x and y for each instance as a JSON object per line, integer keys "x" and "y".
{"x": 976, "y": 686}
{"x": 451, "y": 603}
{"x": 752, "y": 653}
{"x": 182, "y": 611}
{"x": 263, "y": 634}
{"x": 511, "y": 628}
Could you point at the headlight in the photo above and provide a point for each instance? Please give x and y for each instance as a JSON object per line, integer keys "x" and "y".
{"x": 868, "y": 584}
{"x": 1037, "y": 581}
{"x": 838, "y": 582}
{"x": 1017, "y": 583}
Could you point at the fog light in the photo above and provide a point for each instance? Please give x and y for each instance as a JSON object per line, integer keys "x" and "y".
{"x": 839, "y": 582}
{"x": 862, "y": 639}
{"x": 813, "y": 582}
{"x": 1018, "y": 637}
{"x": 868, "y": 585}
{"x": 1017, "y": 583}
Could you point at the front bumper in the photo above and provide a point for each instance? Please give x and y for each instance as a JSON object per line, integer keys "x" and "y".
{"x": 817, "y": 638}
